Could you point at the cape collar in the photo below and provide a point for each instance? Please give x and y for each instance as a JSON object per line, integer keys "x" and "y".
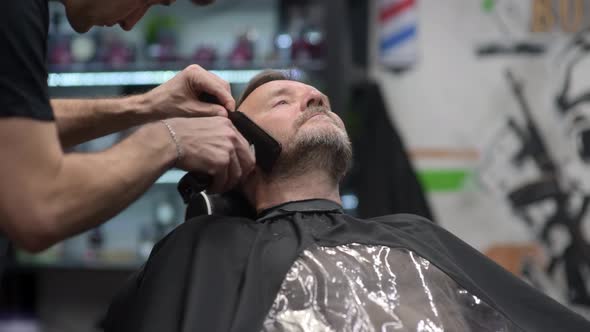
{"x": 308, "y": 205}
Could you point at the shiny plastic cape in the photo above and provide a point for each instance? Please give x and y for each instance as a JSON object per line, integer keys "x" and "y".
{"x": 308, "y": 266}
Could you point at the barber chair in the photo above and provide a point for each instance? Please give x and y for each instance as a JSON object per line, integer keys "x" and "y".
{"x": 199, "y": 203}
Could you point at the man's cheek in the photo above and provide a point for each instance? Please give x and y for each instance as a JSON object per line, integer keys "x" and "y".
{"x": 337, "y": 120}
{"x": 283, "y": 137}
{"x": 278, "y": 134}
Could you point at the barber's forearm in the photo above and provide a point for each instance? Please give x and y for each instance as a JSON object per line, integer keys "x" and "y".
{"x": 80, "y": 120}
{"x": 92, "y": 188}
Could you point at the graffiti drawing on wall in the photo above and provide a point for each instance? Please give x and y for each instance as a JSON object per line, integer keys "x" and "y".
{"x": 545, "y": 191}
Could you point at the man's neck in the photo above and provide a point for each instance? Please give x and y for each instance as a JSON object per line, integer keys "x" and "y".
{"x": 266, "y": 193}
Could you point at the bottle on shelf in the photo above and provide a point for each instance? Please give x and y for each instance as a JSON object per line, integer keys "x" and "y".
{"x": 115, "y": 53}
{"x": 206, "y": 56}
{"x": 242, "y": 54}
{"x": 59, "y": 53}
{"x": 161, "y": 39}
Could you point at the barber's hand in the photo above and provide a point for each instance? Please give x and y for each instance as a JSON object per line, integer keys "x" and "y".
{"x": 213, "y": 146}
{"x": 179, "y": 96}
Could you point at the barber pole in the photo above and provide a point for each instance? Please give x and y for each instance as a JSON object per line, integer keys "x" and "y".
{"x": 398, "y": 37}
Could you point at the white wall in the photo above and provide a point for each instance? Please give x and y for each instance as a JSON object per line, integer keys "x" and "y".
{"x": 452, "y": 99}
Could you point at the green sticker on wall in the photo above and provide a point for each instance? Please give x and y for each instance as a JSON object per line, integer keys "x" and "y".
{"x": 488, "y": 5}
{"x": 442, "y": 180}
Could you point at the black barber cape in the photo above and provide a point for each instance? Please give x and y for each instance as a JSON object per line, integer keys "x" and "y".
{"x": 306, "y": 266}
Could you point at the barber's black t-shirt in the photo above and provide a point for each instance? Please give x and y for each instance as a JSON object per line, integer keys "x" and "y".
{"x": 24, "y": 26}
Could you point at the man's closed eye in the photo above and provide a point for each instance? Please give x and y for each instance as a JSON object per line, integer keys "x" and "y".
{"x": 281, "y": 102}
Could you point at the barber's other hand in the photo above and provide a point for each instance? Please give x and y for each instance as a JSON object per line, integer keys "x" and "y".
{"x": 213, "y": 146}
{"x": 179, "y": 96}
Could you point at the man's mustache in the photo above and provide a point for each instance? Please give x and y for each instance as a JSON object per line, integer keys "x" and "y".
{"x": 311, "y": 112}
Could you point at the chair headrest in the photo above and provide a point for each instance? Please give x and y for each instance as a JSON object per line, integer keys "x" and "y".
{"x": 231, "y": 204}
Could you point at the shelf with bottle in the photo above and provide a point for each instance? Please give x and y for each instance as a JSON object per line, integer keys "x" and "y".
{"x": 124, "y": 242}
{"x": 71, "y": 64}
{"x": 93, "y": 54}
{"x": 26, "y": 261}
{"x": 234, "y": 44}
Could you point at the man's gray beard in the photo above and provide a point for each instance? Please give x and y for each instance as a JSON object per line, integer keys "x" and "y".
{"x": 328, "y": 150}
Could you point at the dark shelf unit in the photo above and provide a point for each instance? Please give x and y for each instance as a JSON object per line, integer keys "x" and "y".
{"x": 341, "y": 67}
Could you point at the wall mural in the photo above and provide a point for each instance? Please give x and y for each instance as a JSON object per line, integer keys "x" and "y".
{"x": 540, "y": 175}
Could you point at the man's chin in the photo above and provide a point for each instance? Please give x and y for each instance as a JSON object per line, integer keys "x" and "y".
{"x": 317, "y": 147}
{"x": 321, "y": 125}
{"x": 324, "y": 132}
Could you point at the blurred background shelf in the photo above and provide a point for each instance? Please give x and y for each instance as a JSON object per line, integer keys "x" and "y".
{"x": 121, "y": 245}
{"x": 68, "y": 286}
{"x": 171, "y": 177}
{"x": 35, "y": 264}
{"x": 131, "y": 78}
{"x": 97, "y": 67}
{"x": 234, "y": 39}
{"x": 150, "y": 77}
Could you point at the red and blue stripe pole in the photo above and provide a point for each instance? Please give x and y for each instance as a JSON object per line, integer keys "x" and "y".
{"x": 398, "y": 33}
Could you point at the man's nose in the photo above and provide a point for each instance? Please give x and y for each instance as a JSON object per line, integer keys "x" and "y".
{"x": 314, "y": 98}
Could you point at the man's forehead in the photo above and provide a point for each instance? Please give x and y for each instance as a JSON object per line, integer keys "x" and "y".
{"x": 280, "y": 87}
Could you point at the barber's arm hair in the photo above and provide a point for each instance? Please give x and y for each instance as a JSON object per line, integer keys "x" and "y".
{"x": 80, "y": 121}
{"x": 46, "y": 195}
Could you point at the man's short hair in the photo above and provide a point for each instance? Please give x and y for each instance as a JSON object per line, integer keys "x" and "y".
{"x": 263, "y": 78}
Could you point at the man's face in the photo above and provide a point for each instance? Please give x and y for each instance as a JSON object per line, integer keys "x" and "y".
{"x": 299, "y": 117}
{"x": 84, "y": 14}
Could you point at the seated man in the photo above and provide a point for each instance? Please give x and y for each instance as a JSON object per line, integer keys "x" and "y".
{"x": 304, "y": 265}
